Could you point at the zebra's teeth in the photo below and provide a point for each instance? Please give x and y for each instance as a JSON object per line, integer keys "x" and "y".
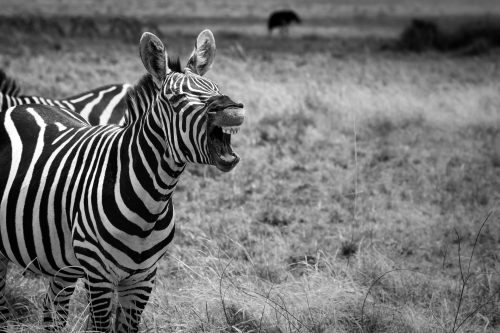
{"x": 230, "y": 129}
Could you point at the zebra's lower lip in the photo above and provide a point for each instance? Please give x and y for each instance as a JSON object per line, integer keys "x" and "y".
{"x": 224, "y": 119}
{"x": 221, "y": 152}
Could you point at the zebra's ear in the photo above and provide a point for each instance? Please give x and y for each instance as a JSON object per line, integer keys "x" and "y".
{"x": 154, "y": 57}
{"x": 203, "y": 54}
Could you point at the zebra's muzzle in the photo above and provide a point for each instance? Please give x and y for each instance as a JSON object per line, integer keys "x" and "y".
{"x": 224, "y": 119}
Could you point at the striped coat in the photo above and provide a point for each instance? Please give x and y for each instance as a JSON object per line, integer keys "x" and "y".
{"x": 100, "y": 106}
{"x": 96, "y": 201}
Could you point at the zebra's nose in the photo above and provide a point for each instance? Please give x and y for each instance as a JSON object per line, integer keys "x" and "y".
{"x": 221, "y": 102}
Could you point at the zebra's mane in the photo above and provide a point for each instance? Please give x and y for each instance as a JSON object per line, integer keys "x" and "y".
{"x": 8, "y": 85}
{"x": 174, "y": 63}
{"x": 140, "y": 97}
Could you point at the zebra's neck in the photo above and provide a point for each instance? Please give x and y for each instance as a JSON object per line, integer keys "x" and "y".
{"x": 145, "y": 157}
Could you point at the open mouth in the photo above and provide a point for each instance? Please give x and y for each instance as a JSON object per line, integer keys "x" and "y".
{"x": 223, "y": 122}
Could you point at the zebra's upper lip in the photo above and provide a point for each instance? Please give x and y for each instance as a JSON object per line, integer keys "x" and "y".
{"x": 223, "y": 111}
{"x": 224, "y": 119}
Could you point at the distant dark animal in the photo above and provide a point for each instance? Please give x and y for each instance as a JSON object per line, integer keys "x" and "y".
{"x": 282, "y": 19}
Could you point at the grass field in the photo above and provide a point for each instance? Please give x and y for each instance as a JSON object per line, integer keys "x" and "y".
{"x": 358, "y": 205}
{"x": 243, "y": 8}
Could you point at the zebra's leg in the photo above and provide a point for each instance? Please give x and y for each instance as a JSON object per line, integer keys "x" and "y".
{"x": 100, "y": 292}
{"x": 4, "y": 308}
{"x": 133, "y": 296}
{"x": 58, "y": 295}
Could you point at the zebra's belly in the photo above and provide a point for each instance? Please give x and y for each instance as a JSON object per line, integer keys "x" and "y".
{"x": 40, "y": 257}
{"x": 35, "y": 235}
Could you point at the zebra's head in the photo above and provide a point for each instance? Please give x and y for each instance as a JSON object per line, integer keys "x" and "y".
{"x": 199, "y": 118}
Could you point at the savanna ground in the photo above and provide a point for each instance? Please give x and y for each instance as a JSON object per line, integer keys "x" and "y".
{"x": 359, "y": 203}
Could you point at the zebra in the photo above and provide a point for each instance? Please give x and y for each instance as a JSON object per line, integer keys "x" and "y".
{"x": 95, "y": 202}
{"x": 101, "y": 106}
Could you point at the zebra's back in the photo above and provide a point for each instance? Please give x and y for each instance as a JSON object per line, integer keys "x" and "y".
{"x": 103, "y": 105}
{"x": 100, "y": 106}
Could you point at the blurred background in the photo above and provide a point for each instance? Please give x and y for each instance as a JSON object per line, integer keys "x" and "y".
{"x": 367, "y": 193}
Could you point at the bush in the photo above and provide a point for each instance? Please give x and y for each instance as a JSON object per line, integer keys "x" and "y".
{"x": 470, "y": 38}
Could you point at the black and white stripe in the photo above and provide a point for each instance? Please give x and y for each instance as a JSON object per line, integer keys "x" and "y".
{"x": 96, "y": 201}
{"x": 101, "y": 106}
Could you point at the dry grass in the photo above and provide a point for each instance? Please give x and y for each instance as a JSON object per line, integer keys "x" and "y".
{"x": 242, "y": 8}
{"x": 383, "y": 18}
{"x": 357, "y": 171}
